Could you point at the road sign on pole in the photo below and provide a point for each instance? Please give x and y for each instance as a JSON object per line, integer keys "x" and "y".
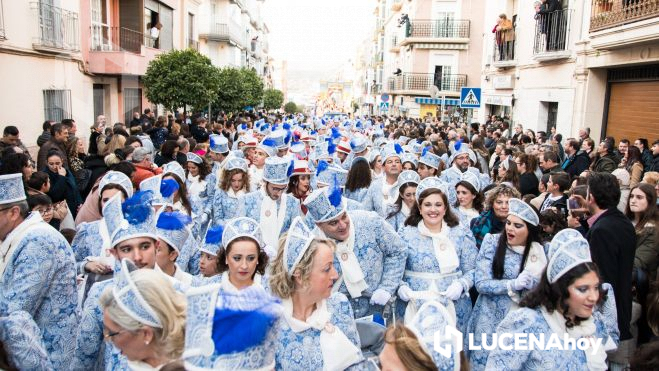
{"x": 470, "y": 98}
{"x": 384, "y": 106}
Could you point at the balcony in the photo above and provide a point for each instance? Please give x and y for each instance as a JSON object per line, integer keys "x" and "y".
{"x": 552, "y": 36}
{"x": 225, "y": 32}
{"x": 394, "y": 45}
{"x": 444, "y": 31}
{"x": 503, "y": 53}
{"x": 120, "y": 50}
{"x": 57, "y": 29}
{"x": 623, "y": 23}
{"x": 420, "y": 83}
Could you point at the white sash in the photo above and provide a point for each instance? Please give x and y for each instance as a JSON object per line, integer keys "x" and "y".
{"x": 536, "y": 261}
{"x": 351, "y": 271}
{"x": 270, "y": 220}
{"x": 31, "y": 224}
{"x": 445, "y": 254}
{"x": 405, "y": 209}
{"x": 226, "y": 284}
{"x": 338, "y": 351}
{"x": 233, "y": 194}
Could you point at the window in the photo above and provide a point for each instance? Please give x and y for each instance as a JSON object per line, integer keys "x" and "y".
{"x": 57, "y": 105}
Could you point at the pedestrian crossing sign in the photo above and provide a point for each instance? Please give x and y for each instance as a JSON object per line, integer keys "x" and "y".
{"x": 384, "y": 106}
{"x": 470, "y": 98}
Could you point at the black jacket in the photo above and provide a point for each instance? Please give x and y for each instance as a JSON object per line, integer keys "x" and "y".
{"x": 528, "y": 184}
{"x": 612, "y": 242}
{"x": 575, "y": 165}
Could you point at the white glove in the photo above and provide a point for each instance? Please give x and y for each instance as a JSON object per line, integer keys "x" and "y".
{"x": 454, "y": 290}
{"x": 404, "y": 293}
{"x": 523, "y": 281}
{"x": 380, "y": 297}
{"x": 203, "y": 218}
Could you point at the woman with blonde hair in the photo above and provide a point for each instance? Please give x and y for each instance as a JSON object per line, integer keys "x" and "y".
{"x": 318, "y": 329}
{"x": 233, "y": 184}
{"x": 144, "y": 317}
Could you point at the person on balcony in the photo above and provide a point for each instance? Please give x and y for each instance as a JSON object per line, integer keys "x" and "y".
{"x": 505, "y": 37}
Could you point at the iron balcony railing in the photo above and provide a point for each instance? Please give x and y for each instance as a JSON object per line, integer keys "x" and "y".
{"x": 437, "y": 28}
{"x": 57, "y": 27}
{"x": 229, "y": 32}
{"x": 423, "y": 81}
{"x": 116, "y": 39}
{"x": 552, "y": 32}
{"x": 504, "y": 46}
{"x": 610, "y": 13}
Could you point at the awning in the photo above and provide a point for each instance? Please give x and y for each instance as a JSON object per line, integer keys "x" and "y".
{"x": 437, "y": 101}
{"x": 498, "y": 100}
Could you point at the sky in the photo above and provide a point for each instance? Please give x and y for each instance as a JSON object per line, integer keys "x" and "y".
{"x": 316, "y": 37}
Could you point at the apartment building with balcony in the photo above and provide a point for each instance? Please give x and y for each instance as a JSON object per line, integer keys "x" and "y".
{"x": 430, "y": 49}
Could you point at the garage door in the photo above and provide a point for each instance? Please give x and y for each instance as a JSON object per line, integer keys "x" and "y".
{"x": 633, "y": 111}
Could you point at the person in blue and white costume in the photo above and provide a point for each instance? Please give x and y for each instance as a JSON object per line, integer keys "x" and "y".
{"x": 508, "y": 264}
{"x": 329, "y": 174}
{"x": 429, "y": 164}
{"x": 144, "y": 317}
{"x": 318, "y": 330}
{"x": 270, "y": 205}
{"x": 462, "y": 159}
{"x": 267, "y": 148}
{"x": 172, "y": 232}
{"x": 409, "y": 161}
{"x": 415, "y": 341}
{"x": 382, "y": 191}
{"x": 359, "y": 146}
{"x": 563, "y": 305}
{"x": 37, "y": 272}
{"x": 230, "y": 330}
{"x": 175, "y": 194}
{"x": 22, "y": 342}
{"x": 441, "y": 255}
{"x": 132, "y": 230}
{"x": 235, "y": 183}
{"x": 469, "y": 202}
{"x": 218, "y": 151}
{"x": 209, "y": 248}
{"x": 196, "y": 181}
{"x": 358, "y": 180}
{"x": 400, "y": 210}
{"x": 91, "y": 244}
{"x": 242, "y": 260}
{"x": 370, "y": 256}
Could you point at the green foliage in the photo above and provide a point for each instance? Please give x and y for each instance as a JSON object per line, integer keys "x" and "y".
{"x": 273, "y": 99}
{"x": 181, "y": 77}
{"x": 239, "y": 88}
{"x": 290, "y": 107}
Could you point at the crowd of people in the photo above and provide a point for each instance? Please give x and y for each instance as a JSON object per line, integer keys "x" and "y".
{"x": 262, "y": 241}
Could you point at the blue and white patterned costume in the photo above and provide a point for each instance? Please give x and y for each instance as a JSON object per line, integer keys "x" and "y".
{"x": 301, "y": 351}
{"x": 531, "y": 321}
{"x": 23, "y": 342}
{"x": 397, "y": 221}
{"x": 357, "y": 195}
{"x": 373, "y": 200}
{"x": 381, "y": 255}
{"x": 421, "y": 259}
{"x": 87, "y": 242}
{"x": 189, "y": 256}
{"x": 40, "y": 279}
{"x": 249, "y": 205}
{"x": 222, "y": 207}
{"x": 493, "y": 301}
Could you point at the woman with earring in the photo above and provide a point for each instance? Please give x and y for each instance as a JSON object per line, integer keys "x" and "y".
{"x": 564, "y": 304}
{"x": 144, "y": 317}
{"x": 441, "y": 255}
{"x": 470, "y": 201}
{"x": 241, "y": 261}
{"x": 508, "y": 265}
{"x": 318, "y": 329}
{"x": 400, "y": 209}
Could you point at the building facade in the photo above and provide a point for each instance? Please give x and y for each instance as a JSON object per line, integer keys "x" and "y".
{"x": 80, "y": 59}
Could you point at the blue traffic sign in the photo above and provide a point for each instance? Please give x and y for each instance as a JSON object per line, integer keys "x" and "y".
{"x": 384, "y": 97}
{"x": 470, "y": 98}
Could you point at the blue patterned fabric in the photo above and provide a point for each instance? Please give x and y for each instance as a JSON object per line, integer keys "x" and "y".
{"x": 275, "y": 170}
{"x": 493, "y": 301}
{"x": 357, "y": 195}
{"x": 373, "y": 199}
{"x": 433, "y": 317}
{"x": 567, "y": 250}
{"x": 116, "y": 177}
{"x": 397, "y": 221}
{"x": 523, "y": 211}
{"x": 249, "y": 205}
{"x": 381, "y": 254}
{"x": 219, "y": 143}
{"x": 421, "y": 258}
{"x": 11, "y": 188}
{"x": 301, "y": 350}
{"x": 189, "y": 257}
{"x": 531, "y": 321}
{"x": 241, "y": 227}
{"x": 222, "y": 207}
{"x": 23, "y": 342}
{"x": 298, "y": 239}
{"x": 40, "y": 279}
{"x": 451, "y": 176}
{"x": 86, "y": 243}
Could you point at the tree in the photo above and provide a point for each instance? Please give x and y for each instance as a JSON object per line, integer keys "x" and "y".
{"x": 181, "y": 78}
{"x": 273, "y": 99}
{"x": 290, "y": 107}
{"x": 239, "y": 88}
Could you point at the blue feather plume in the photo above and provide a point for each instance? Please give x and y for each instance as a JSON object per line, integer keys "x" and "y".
{"x": 322, "y": 166}
{"x": 214, "y": 235}
{"x": 212, "y": 142}
{"x": 264, "y": 127}
{"x": 287, "y": 126}
{"x": 173, "y": 221}
{"x": 419, "y": 140}
{"x": 398, "y": 148}
{"x": 291, "y": 168}
{"x": 313, "y": 132}
{"x": 331, "y": 148}
{"x": 137, "y": 208}
{"x": 287, "y": 138}
{"x": 335, "y": 196}
{"x": 336, "y": 133}
{"x": 457, "y": 145}
{"x": 352, "y": 144}
{"x": 243, "y": 320}
{"x": 269, "y": 142}
{"x": 168, "y": 187}
{"x": 425, "y": 150}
